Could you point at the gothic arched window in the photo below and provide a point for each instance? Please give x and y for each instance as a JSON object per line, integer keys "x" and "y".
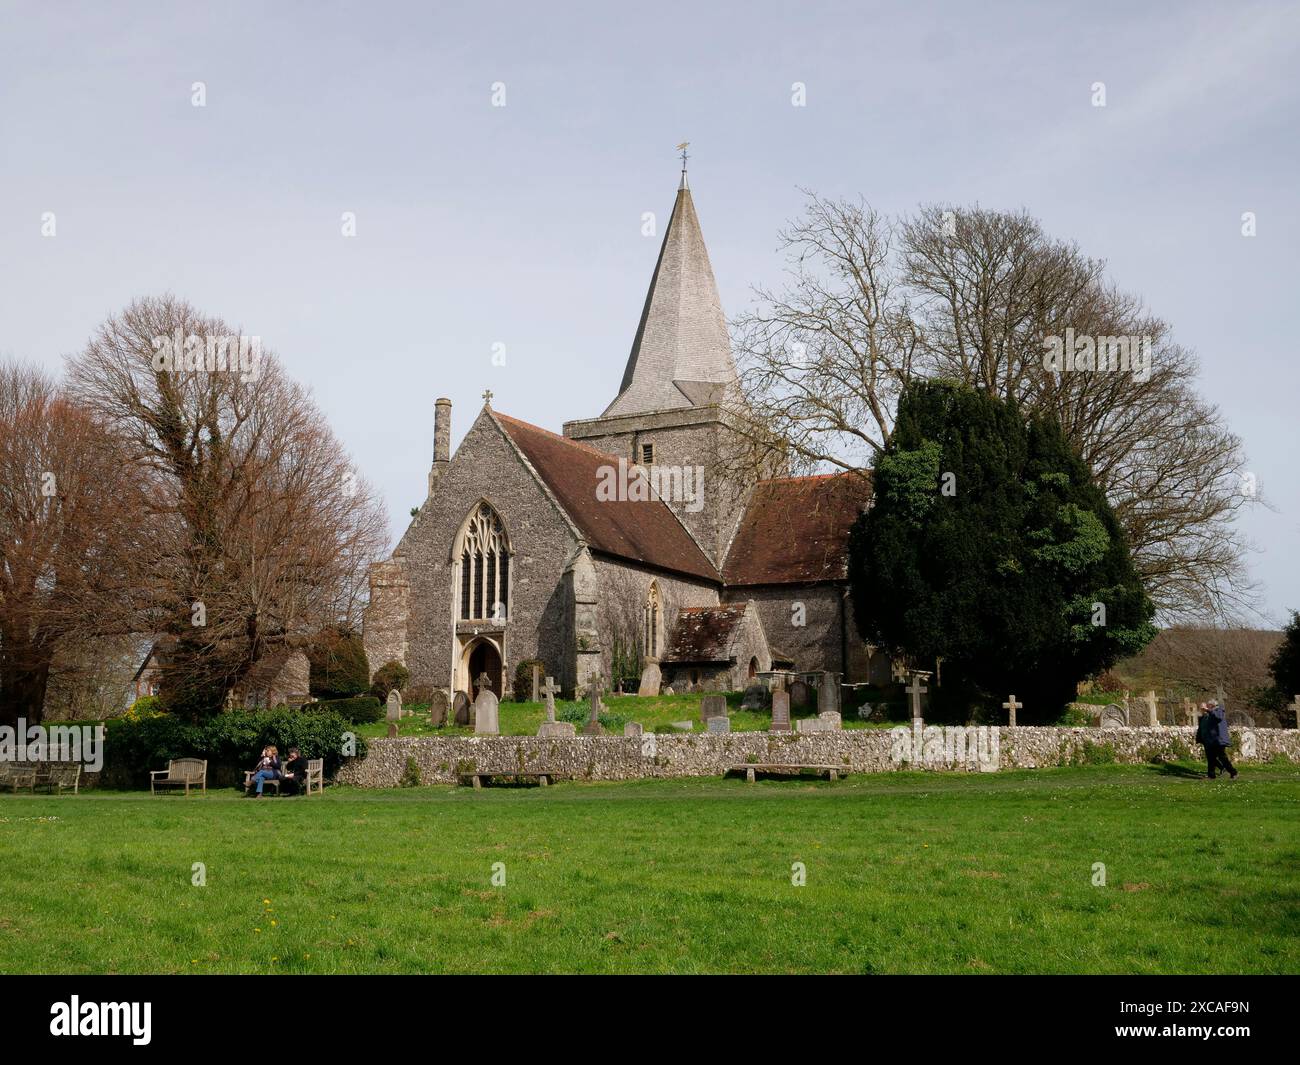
{"x": 653, "y": 622}
{"x": 484, "y": 558}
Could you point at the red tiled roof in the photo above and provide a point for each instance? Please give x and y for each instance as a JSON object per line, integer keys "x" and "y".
{"x": 796, "y": 529}
{"x": 645, "y": 531}
{"x": 703, "y": 633}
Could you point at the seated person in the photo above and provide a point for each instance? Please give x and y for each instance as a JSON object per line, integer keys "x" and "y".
{"x": 268, "y": 768}
{"x": 295, "y": 773}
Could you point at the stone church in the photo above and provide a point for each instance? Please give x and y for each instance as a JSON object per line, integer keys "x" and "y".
{"x": 533, "y": 544}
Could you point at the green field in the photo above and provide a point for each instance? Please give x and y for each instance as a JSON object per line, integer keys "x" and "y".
{"x": 906, "y": 872}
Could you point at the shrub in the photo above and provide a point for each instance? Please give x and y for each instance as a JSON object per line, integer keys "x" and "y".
{"x": 359, "y": 710}
{"x": 524, "y": 678}
{"x": 145, "y": 707}
{"x": 1108, "y": 682}
{"x": 228, "y": 741}
{"x": 411, "y": 774}
{"x": 338, "y": 666}
{"x": 389, "y": 676}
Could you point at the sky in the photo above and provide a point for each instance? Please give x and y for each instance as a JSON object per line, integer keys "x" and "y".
{"x": 502, "y": 247}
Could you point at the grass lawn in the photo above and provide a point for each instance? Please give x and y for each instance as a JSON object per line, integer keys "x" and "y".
{"x": 906, "y": 872}
{"x": 523, "y": 719}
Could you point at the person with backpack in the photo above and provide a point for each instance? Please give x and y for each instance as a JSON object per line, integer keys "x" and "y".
{"x": 1212, "y": 734}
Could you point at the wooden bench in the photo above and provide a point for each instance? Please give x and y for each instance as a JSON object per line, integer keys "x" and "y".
{"x": 542, "y": 777}
{"x": 315, "y": 777}
{"x": 781, "y": 769}
{"x": 58, "y": 776}
{"x": 181, "y": 772}
{"x": 15, "y": 775}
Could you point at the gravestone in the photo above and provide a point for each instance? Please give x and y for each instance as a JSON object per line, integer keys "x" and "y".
{"x": 633, "y": 730}
{"x": 1240, "y": 718}
{"x": 438, "y": 708}
{"x": 898, "y": 671}
{"x": 595, "y": 685}
{"x": 1114, "y": 716}
{"x": 651, "y": 678}
{"x": 392, "y": 730}
{"x": 753, "y": 699}
{"x": 719, "y": 724}
{"x": 916, "y": 689}
{"x": 780, "y": 712}
{"x": 831, "y": 720}
{"x": 1153, "y": 709}
{"x": 683, "y": 726}
{"x": 486, "y": 709}
{"x": 394, "y": 705}
{"x": 1188, "y": 713}
{"x": 1297, "y": 710}
{"x": 828, "y": 693}
{"x": 670, "y": 690}
{"x": 713, "y": 706}
{"x": 1011, "y": 706}
{"x": 460, "y": 708}
{"x": 537, "y": 680}
{"x": 799, "y": 694}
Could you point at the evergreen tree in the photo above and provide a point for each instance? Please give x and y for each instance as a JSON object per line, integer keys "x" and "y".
{"x": 339, "y": 668}
{"x": 987, "y": 546}
{"x": 1285, "y": 663}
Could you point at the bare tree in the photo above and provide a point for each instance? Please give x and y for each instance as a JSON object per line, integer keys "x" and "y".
{"x": 269, "y": 528}
{"x": 71, "y": 538}
{"x": 972, "y": 295}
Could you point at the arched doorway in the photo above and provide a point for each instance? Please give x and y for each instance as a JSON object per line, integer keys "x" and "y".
{"x": 481, "y": 657}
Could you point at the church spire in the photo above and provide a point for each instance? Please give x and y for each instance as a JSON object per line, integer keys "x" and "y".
{"x": 681, "y": 356}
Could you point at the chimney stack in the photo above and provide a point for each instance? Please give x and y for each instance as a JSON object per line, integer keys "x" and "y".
{"x": 441, "y": 441}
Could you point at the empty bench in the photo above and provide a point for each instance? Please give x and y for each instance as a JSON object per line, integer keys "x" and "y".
{"x": 785, "y": 769}
{"x": 180, "y": 773}
{"x": 542, "y": 777}
{"x": 15, "y": 775}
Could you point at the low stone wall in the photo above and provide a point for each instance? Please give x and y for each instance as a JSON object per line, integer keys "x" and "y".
{"x": 442, "y": 759}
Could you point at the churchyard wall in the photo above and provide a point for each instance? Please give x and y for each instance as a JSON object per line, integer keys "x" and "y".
{"x": 441, "y": 759}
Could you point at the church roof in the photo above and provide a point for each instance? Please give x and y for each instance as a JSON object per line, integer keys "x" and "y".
{"x": 641, "y": 530}
{"x": 705, "y": 633}
{"x": 796, "y": 529}
{"x": 681, "y": 356}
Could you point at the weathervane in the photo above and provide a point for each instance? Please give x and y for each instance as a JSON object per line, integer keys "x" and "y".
{"x": 682, "y": 148}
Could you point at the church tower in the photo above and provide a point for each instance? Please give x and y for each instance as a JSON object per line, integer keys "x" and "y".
{"x": 670, "y": 414}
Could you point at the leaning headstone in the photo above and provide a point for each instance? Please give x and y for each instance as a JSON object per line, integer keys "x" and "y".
{"x": 780, "y": 711}
{"x": 1114, "y": 716}
{"x": 754, "y": 696}
{"x": 828, "y": 693}
{"x": 460, "y": 708}
{"x": 633, "y": 730}
{"x": 486, "y": 713}
{"x": 713, "y": 706}
{"x": 651, "y": 678}
{"x": 394, "y": 705}
{"x": 719, "y": 724}
{"x": 799, "y": 694}
{"x": 438, "y": 708}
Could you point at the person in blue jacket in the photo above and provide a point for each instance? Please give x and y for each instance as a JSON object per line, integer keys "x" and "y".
{"x": 1212, "y": 734}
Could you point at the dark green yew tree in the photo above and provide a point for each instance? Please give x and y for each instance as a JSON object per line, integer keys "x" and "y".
{"x": 989, "y": 547}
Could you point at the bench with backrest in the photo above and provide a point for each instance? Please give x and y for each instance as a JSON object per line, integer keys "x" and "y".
{"x": 314, "y": 778}
{"x": 15, "y": 775}
{"x": 60, "y": 775}
{"x": 181, "y": 772}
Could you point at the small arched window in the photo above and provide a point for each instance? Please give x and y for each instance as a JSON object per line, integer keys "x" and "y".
{"x": 653, "y": 622}
{"x": 484, "y": 567}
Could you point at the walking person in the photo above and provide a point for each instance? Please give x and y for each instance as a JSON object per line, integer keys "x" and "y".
{"x": 1212, "y": 734}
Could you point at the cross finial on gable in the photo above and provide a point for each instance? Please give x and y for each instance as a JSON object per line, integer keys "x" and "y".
{"x": 487, "y": 397}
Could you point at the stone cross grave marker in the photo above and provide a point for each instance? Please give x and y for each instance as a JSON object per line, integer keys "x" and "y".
{"x": 595, "y": 685}
{"x": 537, "y": 679}
{"x": 394, "y": 705}
{"x": 486, "y": 708}
{"x": 1189, "y": 714}
{"x": 550, "y": 689}
{"x": 1153, "y": 709}
{"x": 916, "y": 689}
{"x": 1012, "y": 706}
{"x": 780, "y": 711}
{"x": 899, "y": 672}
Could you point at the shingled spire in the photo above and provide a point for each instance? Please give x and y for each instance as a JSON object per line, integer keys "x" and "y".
{"x": 681, "y": 356}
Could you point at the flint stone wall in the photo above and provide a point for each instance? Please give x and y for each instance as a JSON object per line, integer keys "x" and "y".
{"x": 441, "y": 759}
